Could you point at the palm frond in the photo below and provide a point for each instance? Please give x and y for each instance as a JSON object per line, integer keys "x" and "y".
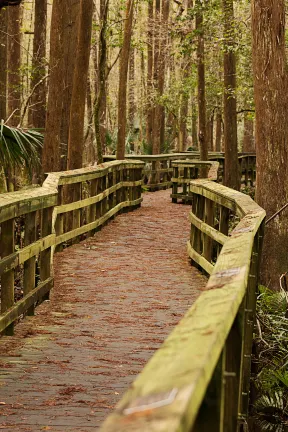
{"x": 20, "y": 146}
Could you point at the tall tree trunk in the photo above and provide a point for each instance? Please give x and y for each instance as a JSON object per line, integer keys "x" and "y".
{"x": 160, "y": 48}
{"x": 123, "y": 72}
{"x": 51, "y": 149}
{"x": 77, "y": 111}
{"x": 248, "y": 139}
{"x": 271, "y": 101}
{"x": 100, "y": 105}
{"x": 231, "y": 178}
{"x": 14, "y": 65}
{"x": 89, "y": 138}
{"x": 194, "y": 122}
{"x": 150, "y": 44}
{"x": 132, "y": 107}
{"x": 218, "y": 131}
{"x": 37, "y": 111}
{"x": 70, "y": 33}
{"x": 183, "y": 123}
{"x": 156, "y": 55}
{"x": 3, "y": 64}
{"x": 201, "y": 85}
{"x": 187, "y": 63}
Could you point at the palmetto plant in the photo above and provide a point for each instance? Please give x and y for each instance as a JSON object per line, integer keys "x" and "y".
{"x": 20, "y": 147}
{"x": 270, "y": 409}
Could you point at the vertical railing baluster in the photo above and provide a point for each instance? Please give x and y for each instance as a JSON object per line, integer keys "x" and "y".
{"x": 29, "y": 265}
{"x": 45, "y": 256}
{"x": 7, "y": 247}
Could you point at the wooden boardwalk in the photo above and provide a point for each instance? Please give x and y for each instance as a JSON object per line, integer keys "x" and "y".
{"x": 116, "y": 297}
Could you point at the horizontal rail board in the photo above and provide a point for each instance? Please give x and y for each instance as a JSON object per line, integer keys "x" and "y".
{"x": 199, "y": 259}
{"x": 207, "y": 229}
{"x": 19, "y": 257}
{"x": 22, "y": 305}
{"x": 91, "y": 226}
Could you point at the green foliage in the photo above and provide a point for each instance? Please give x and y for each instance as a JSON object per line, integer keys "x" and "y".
{"x": 19, "y": 147}
{"x": 271, "y": 407}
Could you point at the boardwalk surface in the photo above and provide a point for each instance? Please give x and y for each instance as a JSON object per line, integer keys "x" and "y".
{"x": 116, "y": 297}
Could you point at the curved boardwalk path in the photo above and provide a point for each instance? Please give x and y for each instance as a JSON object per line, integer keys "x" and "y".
{"x": 116, "y": 297}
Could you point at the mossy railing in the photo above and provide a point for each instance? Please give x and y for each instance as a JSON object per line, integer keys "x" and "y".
{"x": 199, "y": 378}
{"x": 186, "y": 170}
{"x": 36, "y": 217}
{"x": 158, "y": 171}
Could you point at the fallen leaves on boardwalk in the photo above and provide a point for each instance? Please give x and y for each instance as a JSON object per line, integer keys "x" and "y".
{"x": 117, "y": 296}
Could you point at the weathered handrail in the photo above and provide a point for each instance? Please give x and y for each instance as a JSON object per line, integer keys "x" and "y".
{"x": 199, "y": 378}
{"x": 186, "y": 170}
{"x": 98, "y": 194}
{"x": 158, "y": 170}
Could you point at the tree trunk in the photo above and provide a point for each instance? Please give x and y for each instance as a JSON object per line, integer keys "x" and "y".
{"x": 100, "y": 105}
{"x": 132, "y": 107}
{"x": 37, "y": 111}
{"x": 156, "y": 55}
{"x": 123, "y": 72}
{"x": 77, "y": 111}
{"x": 194, "y": 122}
{"x": 231, "y": 177}
{"x": 201, "y": 85}
{"x": 248, "y": 139}
{"x": 14, "y": 65}
{"x": 70, "y": 33}
{"x": 149, "y": 120}
{"x": 218, "y": 131}
{"x": 3, "y": 64}
{"x": 160, "y": 48}
{"x": 271, "y": 101}
{"x": 51, "y": 150}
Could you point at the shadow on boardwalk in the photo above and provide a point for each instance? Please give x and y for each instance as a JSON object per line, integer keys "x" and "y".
{"x": 116, "y": 297}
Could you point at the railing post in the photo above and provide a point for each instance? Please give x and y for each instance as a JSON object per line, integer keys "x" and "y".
{"x": 7, "y": 247}
{"x": 209, "y": 219}
{"x": 231, "y": 375}
{"x": 59, "y": 224}
{"x": 210, "y": 416}
{"x": 29, "y": 265}
{"x": 197, "y": 241}
{"x": 93, "y": 207}
{"x": 185, "y": 177}
{"x": 118, "y": 180}
{"x": 45, "y": 256}
{"x": 249, "y": 322}
{"x": 105, "y": 185}
{"x": 175, "y": 183}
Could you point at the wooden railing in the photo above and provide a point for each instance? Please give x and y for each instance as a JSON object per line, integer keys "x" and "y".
{"x": 199, "y": 378}
{"x": 37, "y": 217}
{"x": 247, "y": 167}
{"x": 186, "y": 170}
{"x": 158, "y": 170}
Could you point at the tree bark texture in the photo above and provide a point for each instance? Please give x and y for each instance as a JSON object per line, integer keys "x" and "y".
{"x": 70, "y": 33}
{"x": 37, "y": 111}
{"x": 271, "y": 101}
{"x": 218, "y": 136}
{"x": 149, "y": 118}
{"x": 132, "y": 106}
{"x": 201, "y": 85}
{"x": 231, "y": 178}
{"x": 77, "y": 111}
{"x": 160, "y": 47}
{"x": 51, "y": 150}
{"x": 248, "y": 139}
{"x": 100, "y": 105}
{"x": 3, "y": 64}
{"x": 14, "y": 65}
{"x": 123, "y": 76}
